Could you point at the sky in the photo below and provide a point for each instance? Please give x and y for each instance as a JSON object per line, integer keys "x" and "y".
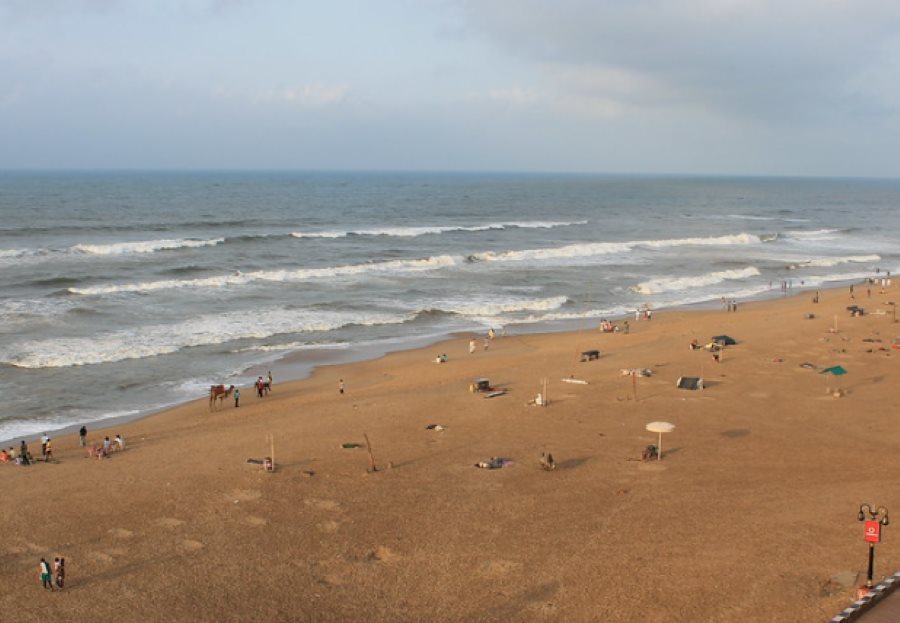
{"x": 722, "y": 87}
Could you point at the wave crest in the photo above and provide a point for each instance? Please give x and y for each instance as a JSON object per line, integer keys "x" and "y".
{"x": 675, "y": 284}
{"x": 143, "y": 246}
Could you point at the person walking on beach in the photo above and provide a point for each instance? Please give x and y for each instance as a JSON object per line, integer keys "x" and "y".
{"x": 82, "y": 436}
{"x": 48, "y": 451}
{"x": 23, "y": 453}
{"x": 627, "y": 327}
{"x": 270, "y": 380}
{"x": 46, "y": 578}
{"x": 341, "y": 386}
{"x": 237, "y": 397}
{"x": 44, "y": 440}
{"x": 472, "y": 346}
{"x": 60, "y": 567}
{"x": 107, "y": 444}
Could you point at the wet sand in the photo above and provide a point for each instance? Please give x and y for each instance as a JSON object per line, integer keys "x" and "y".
{"x": 748, "y": 517}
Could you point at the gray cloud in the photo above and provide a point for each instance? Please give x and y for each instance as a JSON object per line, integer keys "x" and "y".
{"x": 784, "y": 62}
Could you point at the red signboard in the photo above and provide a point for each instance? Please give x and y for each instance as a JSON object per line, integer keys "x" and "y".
{"x": 873, "y": 532}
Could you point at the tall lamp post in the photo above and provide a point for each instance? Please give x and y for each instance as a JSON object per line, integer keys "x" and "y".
{"x": 877, "y": 518}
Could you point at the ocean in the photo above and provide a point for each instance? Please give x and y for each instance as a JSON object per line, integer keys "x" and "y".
{"x": 125, "y": 292}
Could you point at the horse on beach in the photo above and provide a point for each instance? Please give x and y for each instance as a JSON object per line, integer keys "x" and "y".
{"x": 219, "y": 392}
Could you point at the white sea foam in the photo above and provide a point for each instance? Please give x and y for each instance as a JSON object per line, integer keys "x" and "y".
{"x": 825, "y": 262}
{"x": 813, "y": 235}
{"x": 24, "y": 428}
{"x": 300, "y": 274}
{"x": 412, "y": 232}
{"x": 582, "y": 250}
{"x": 289, "y": 346}
{"x": 676, "y": 284}
{"x": 142, "y": 246}
{"x": 204, "y": 330}
{"x": 14, "y": 253}
{"x": 494, "y": 307}
{"x": 815, "y": 280}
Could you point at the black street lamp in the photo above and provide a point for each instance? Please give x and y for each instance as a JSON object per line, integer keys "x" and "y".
{"x": 877, "y": 518}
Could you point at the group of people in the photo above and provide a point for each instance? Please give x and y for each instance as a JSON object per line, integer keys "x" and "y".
{"x": 102, "y": 451}
{"x": 22, "y": 456}
{"x": 607, "y": 326}
{"x": 53, "y": 579}
{"x": 263, "y": 387}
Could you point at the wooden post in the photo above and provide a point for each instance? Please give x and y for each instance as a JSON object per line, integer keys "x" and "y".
{"x": 634, "y": 384}
{"x": 371, "y": 454}
{"x": 544, "y": 384}
{"x": 272, "y": 449}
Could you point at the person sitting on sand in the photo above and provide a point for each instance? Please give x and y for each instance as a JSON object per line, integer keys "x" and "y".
{"x": 4, "y": 456}
{"x": 120, "y": 442}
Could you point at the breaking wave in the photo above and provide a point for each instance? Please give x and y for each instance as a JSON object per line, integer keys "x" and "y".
{"x": 145, "y": 246}
{"x": 582, "y": 250}
{"x": 834, "y": 261}
{"x": 676, "y": 284}
{"x": 210, "y": 329}
{"x": 238, "y": 279}
{"x": 412, "y": 232}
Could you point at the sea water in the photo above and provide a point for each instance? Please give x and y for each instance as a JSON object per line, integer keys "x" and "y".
{"x": 127, "y": 292}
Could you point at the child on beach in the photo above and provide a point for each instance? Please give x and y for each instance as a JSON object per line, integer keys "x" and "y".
{"x": 237, "y": 397}
{"x": 82, "y": 436}
{"x": 341, "y": 386}
{"x": 46, "y": 578}
{"x": 60, "y": 572}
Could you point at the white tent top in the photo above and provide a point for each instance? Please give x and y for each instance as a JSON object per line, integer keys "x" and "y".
{"x": 660, "y": 427}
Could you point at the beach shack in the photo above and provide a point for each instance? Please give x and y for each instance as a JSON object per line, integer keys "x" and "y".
{"x": 480, "y": 385}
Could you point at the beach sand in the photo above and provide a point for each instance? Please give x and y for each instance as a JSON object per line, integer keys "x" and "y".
{"x": 749, "y": 516}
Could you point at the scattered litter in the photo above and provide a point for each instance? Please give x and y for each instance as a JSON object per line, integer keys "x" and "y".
{"x": 778, "y": 360}
{"x": 643, "y": 372}
{"x": 255, "y": 461}
{"x": 350, "y": 446}
{"x": 437, "y": 427}
{"x": 575, "y": 381}
{"x": 809, "y": 316}
{"x": 495, "y": 462}
{"x": 689, "y": 382}
{"x": 547, "y": 462}
{"x": 808, "y": 366}
{"x": 590, "y": 355}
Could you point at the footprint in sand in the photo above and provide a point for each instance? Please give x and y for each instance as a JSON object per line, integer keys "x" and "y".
{"x": 244, "y": 495}
{"x": 497, "y": 568}
{"x": 323, "y": 505}
{"x": 330, "y": 526}
{"x": 382, "y": 554}
{"x": 121, "y": 533}
{"x": 255, "y": 521}
{"x": 190, "y": 545}
{"x": 169, "y": 522}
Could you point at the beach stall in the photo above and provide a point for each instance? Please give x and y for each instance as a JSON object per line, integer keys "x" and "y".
{"x": 660, "y": 428}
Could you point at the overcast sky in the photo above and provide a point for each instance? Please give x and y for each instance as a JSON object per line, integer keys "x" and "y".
{"x": 794, "y": 87}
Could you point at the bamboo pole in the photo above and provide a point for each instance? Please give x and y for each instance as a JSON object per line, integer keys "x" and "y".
{"x": 371, "y": 453}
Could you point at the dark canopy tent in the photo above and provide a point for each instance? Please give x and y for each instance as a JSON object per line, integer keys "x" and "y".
{"x": 724, "y": 339}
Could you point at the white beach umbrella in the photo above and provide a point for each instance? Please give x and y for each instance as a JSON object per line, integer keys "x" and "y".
{"x": 660, "y": 427}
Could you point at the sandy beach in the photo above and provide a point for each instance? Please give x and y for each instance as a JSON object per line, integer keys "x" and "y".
{"x": 749, "y": 516}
